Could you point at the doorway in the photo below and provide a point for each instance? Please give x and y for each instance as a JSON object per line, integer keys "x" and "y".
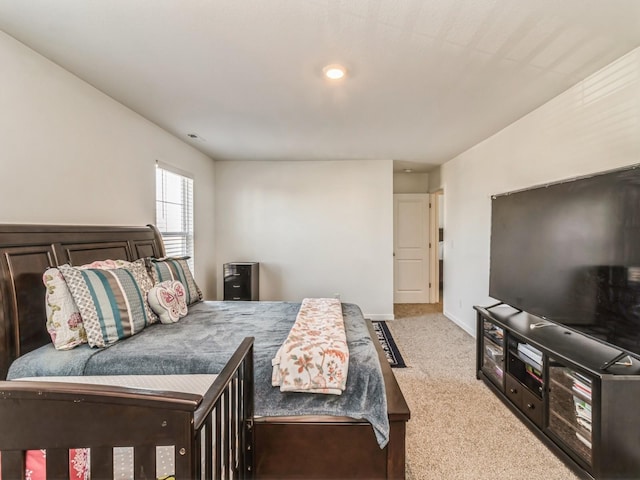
{"x": 418, "y": 249}
{"x": 412, "y": 259}
{"x": 436, "y": 238}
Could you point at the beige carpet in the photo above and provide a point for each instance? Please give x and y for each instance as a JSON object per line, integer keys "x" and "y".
{"x": 459, "y": 429}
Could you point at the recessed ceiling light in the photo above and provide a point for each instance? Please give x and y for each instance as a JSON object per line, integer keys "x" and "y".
{"x": 407, "y": 170}
{"x": 334, "y": 71}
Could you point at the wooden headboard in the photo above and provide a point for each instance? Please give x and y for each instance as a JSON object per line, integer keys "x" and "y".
{"x": 26, "y": 251}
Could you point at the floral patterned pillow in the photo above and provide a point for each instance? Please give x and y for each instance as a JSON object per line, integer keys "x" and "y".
{"x": 107, "y": 264}
{"x": 168, "y": 300}
{"x": 64, "y": 322}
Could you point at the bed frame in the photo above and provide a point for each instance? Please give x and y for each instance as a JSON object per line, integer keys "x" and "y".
{"x": 348, "y": 446}
{"x": 210, "y": 434}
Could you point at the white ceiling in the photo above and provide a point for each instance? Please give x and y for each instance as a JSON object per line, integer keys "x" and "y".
{"x": 427, "y": 78}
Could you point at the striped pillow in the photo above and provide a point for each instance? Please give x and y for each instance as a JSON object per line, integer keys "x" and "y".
{"x": 164, "y": 269}
{"x": 112, "y": 302}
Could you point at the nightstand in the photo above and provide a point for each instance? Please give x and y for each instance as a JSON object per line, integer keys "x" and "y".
{"x": 241, "y": 281}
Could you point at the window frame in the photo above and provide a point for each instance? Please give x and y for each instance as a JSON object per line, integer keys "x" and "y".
{"x": 184, "y": 236}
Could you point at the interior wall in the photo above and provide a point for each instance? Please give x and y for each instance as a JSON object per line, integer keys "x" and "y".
{"x": 592, "y": 127}
{"x": 435, "y": 180}
{"x": 410, "y": 182}
{"x": 318, "y": 228}
{"x": 73, "y": 155}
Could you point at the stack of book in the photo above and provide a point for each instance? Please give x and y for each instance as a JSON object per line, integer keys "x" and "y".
{"x": 582, "y": 388}
{"x": 581, "y": 384}
{"x": 531, "y": 352}
{"x": 534, "y": 372}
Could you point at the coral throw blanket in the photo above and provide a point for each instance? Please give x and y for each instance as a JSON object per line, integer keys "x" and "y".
{"x": 314, "y": 358}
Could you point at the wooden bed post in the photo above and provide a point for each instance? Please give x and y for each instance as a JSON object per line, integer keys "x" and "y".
{"x": 159, "y": 241}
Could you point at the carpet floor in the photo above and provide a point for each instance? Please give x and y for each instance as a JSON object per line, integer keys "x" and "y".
{"x": 459, "y": 429}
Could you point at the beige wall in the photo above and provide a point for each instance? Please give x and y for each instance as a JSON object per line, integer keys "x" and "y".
{"x": 317, "y": 228}
{"x": 410, "y": 182}
{"x": 72, "y": 155}
{"x": 592, "y": 127}
{"x": 435, "y": 179}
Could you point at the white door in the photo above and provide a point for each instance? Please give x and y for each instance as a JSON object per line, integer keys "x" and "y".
{"x": 411, "y": 247}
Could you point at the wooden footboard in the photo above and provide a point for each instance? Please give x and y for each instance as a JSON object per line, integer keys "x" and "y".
{"x": 333, "y": 447}
{"x": 211, "y": 434}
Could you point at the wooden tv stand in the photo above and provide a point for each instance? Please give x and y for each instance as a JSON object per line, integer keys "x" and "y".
{"x": 566, "y": 387}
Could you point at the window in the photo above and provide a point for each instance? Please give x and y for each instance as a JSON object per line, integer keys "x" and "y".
{"x": 174, "y": 212}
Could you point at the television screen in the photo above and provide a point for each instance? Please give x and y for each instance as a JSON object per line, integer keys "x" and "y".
{"x": 570, "y": 252}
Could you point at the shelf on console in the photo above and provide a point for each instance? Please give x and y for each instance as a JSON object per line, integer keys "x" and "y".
{"x": 574, "y": 404}
{"x": 561, "y": 342}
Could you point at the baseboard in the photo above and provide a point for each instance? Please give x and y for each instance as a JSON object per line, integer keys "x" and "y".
{"x": 379, "y": 316}
{"x": 460, "y": 323}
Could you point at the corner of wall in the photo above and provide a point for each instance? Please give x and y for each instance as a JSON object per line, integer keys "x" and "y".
{"x": 435, "y": 180}
{"x": 471, "y": 330}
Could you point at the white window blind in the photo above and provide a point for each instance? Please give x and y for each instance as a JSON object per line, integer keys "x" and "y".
{"x": 174, "y": 212}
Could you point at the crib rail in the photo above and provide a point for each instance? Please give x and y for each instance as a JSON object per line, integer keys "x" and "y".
{"x": 210, "y": 435}
{"x": 227, "y": 414}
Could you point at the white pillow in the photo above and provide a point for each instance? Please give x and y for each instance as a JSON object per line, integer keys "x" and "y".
{"x": 168, "y": 301}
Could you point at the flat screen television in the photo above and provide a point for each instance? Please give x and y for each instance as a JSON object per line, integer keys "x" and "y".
{"x": 570, "y": 253}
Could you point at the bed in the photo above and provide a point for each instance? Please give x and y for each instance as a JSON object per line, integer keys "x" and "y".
{"x": 283, "y": 439}
{"x": 142, "y": 427}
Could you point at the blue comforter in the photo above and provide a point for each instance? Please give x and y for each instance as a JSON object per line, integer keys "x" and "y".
{"x": 203, "y": 342}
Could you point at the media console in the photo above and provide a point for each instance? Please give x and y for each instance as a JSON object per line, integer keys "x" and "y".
{"x": 580, "y": 396}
